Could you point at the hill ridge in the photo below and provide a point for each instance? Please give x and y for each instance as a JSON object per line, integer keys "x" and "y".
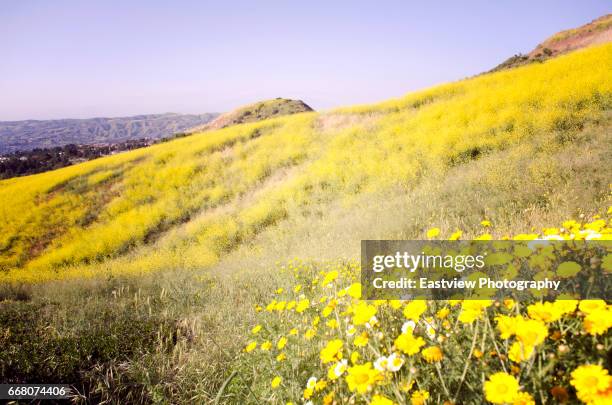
{"x": 596, "y": 32}
{"x": 253, "y": 112}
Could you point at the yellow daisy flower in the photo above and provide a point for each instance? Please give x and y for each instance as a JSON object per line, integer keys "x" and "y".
{"x": 501, "y": 388}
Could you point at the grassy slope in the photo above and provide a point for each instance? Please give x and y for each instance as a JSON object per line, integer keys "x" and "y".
{"x": 188, "y": 202}
{"x": 524, "y": 148}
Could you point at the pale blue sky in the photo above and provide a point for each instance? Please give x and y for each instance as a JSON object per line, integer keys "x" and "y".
{"x": 81, "y": 59}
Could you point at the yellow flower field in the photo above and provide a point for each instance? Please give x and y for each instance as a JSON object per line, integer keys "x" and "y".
{"x": 185, "y": 203}
{"x": 318, "y": 342}
{"x": 163, "y": 275}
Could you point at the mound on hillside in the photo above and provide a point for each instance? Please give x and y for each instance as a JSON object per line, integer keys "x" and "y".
{"x": 598, "y": 31}
{"x": 255, "y": 112}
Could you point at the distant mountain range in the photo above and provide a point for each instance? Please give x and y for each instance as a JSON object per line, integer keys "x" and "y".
{"x": 31, "y": 134}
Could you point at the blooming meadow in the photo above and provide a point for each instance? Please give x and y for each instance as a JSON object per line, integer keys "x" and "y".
{"x": 185, "y": 203}
{"x": 318, "y": 342}
{"x": 134, "y": 275}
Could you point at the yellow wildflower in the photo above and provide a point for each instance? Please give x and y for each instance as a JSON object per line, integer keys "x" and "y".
{"x": 507, "y": 325}
{"x": 544, "y": 311}
{"x": 361, "y": 340}
{"x": 408, "y": 344}
{"x": 456, "y": 235}
{"x": 565, "y": 306}
{"x": 355, "y": 290}
{"x": 443, "y": 313}
{"x": 588, "y": 306}
{"x": 330, "y": 277}
{"x": 469, "y": 315}
{"x": 531, "y": 332}
{"x": 501, "y": 388}
{"x": 591, "y": 381}
{"x": 395, "y": 304}
{"x": 432, "y": 354}
{"x": 523, "y": 398}
{"x": 276, "y": 381}
{"x": 332, "y": 324}
{"x": 361, "y": 378}
{"x": 270, "y": 307}
{"x": 307, "y": 394}
{"x": 363, "y": 312}
{"x": 320, "y": 385}
{"x": 302, "y": 306}
{"x": 433, "y": 232}
{"x": 332, "y": 351}
{"x": 415, "y": 309}
{"x": 598, "y": 322}
{"x": 520, "y": 352}
{"x": 472, "y": 310}
{"x": 419, "y": 397}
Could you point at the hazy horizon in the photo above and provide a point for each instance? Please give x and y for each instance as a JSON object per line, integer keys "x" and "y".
{"x": 67, "y": 59}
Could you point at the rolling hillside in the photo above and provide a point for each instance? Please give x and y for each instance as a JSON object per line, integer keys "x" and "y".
{"x": 222, "y": 267}
{"x": 31, "y": 134}
{"x": 191, "y": 201}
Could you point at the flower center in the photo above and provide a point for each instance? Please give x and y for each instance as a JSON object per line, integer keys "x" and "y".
{"x": 361, "y": 378}
{"x": 502, "y": 389}
{"x": 592, "y": 381}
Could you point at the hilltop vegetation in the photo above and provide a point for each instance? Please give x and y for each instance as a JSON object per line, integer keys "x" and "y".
{"x": 31, "y": 134}
{"x": 209, "y": 223}
{"x": 596, "y": 32}
{"x": 255, "y": 112}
